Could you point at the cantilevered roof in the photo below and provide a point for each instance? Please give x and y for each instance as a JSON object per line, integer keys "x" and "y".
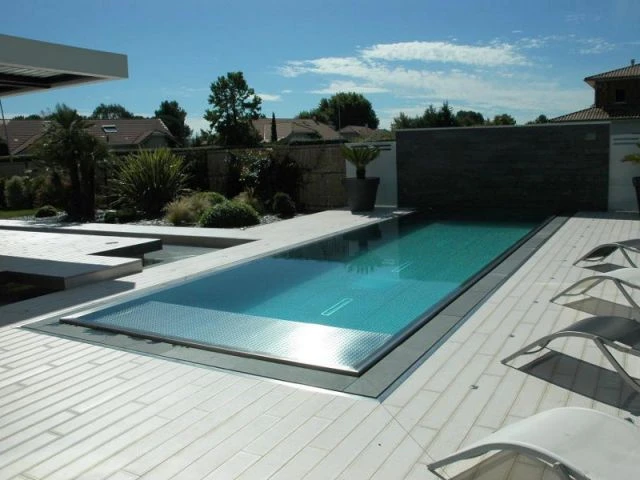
{"x": 31, "y": 65}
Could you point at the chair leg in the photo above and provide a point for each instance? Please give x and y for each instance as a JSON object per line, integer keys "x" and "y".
{"x": 530, "y": 349}
{"x": 628, "y": 379}
{"x": 566, "y": 291}
{"x": 632, "y": 302}
{"x": 626, "y": 255}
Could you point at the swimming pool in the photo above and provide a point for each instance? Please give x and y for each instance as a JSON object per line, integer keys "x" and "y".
{"x": 338, "y": 305}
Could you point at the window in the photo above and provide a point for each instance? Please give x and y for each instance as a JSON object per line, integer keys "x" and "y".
{"x": 620, "y": 96}
{"x": 109, "y": 129}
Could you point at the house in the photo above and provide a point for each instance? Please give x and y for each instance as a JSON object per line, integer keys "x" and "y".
{"x": 119, "y": 134}
{"x": 617, "y": 96}
{"x": 296, "y": 130}
{"x": 617, "y": 102}
{"x": 355, "y": 133}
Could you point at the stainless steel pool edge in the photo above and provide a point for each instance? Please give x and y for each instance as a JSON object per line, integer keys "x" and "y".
{"x": 73, "y": 320}
{"x": 448, "y": 320}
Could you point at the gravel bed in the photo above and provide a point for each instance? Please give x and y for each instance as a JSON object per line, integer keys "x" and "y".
{"x": 60, "y": 219}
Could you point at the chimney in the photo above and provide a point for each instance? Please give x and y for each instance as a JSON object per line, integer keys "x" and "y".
{"x": 633, "y": 62}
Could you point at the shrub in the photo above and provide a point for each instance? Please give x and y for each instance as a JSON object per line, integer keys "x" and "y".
{"x": 188, "y": 210}
{"x": 50, "y": 190}
{"x": 110, "y": 217}
{"x": 283, "y": 205}
{"x": 16, "y": 194}
{"x": 213, "y": 198}
{"x": 124, "y": 215}
{"x": 46, "y": 211}
{"x": 231, "y": 214}
{"x": 251, "y": 200}
{"x": 181, "y": 212}
{"x": 149, "y": 180}
{"x": 2, "y": 201}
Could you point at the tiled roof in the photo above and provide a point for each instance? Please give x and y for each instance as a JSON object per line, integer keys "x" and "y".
{"x": 130, "y": 132}
{"x": 294, "y": 127}
{"x": 593, "y": 113}
{"x": 359, "y": 130}
{"x": 630, "y": 71}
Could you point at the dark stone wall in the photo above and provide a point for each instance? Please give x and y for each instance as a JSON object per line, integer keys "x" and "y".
{"x": 538, "y": 169}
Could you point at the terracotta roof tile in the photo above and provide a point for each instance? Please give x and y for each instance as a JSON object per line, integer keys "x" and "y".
{"x": 590, "y": 114}
{"x": 294, "y": 127}
{"x": 129, "y": 132}
{"x": 630, "y": 71}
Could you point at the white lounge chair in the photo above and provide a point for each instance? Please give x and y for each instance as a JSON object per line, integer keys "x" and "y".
{"x": 623, "y": 277}
{"x": 607, "y": 332}
{"x": 578, "y": 443}
{"x": 601, "y": 252}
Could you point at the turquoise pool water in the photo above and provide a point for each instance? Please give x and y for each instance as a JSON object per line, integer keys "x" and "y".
{"x": 333, "y": 304}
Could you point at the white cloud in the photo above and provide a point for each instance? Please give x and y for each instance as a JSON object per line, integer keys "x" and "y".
{"x": 594, "y": 46}
{"x": 267, "y": 97}
{"x": 492, "y": 55}
{"x": 349, "y": 86}
{"x": 350, "y": 66}
{"x": 495, "y": 78}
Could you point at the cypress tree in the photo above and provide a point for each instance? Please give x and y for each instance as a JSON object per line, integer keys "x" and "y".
{"x": 274, "y": 132}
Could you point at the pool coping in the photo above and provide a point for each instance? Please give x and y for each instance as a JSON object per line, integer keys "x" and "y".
{"x": 379, "y": 380}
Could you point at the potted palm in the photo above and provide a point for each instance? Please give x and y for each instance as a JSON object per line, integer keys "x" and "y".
{"x": 635, "y": 158}
{"x": 361, "y": 191}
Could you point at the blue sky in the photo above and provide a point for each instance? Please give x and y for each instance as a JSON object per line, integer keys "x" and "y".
{"x": 524, "y": 58}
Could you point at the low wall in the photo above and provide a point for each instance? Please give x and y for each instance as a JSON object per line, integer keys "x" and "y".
{"x": 324, "y": 169}
{"x": 538, "y": 169}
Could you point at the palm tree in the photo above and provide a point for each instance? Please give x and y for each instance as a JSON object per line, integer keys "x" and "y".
{"x": 360, "y": 157}
{"x": 67, "y": 144}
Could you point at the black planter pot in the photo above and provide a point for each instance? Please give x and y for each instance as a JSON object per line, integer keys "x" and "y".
{"x": 636, "y": 184}
{"x": 361, "y": 193}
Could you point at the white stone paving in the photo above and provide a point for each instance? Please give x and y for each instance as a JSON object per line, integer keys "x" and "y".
{"x": 73, "y": 410}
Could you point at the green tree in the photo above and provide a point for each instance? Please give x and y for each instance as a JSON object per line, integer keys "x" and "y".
{"x": 469, "y": 118}
{"x": 404, "y": 121}
{"x": 503, "y": 119}
{"x": 174, "y": 118}
{"x": 234, "y": 105}
{"x": 314, "y": 114}
{"x": 112, "y": 111}
{"x": 431, "y": 118}
{"x": 539, "y": 119}
{"x": 445, "y": 116}
{"x": 33, "y": 116}
{"x": 67, "y": 144}
{"x": 274, "y": 130}
{"x": 342, "y": 109}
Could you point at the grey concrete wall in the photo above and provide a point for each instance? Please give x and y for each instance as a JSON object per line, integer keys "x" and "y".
{"x": 538, "y": 169}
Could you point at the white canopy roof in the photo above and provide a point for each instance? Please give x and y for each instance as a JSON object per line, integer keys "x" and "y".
{"x": 31, "y": 65}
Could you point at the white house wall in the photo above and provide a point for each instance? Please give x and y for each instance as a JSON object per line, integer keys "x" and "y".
{"x": 625, "y": 135}
{"x": 384, "y": 167}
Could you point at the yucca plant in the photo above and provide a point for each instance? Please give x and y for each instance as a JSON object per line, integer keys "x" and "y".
{"x": 360, "y": 157}
{"x": 148, "y": 180}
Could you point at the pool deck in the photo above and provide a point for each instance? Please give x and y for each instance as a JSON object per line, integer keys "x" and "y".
{"x": 76, "y": 410}
{"x": 59, "y": 261}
